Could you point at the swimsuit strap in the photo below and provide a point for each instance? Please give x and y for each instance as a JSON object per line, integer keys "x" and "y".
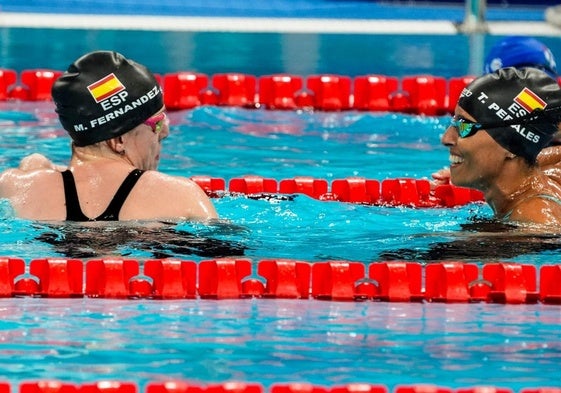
{"x": 112, "y": 211}
{"x": 543, "y": 196}
{"x": 550, "y": 198}
{"x": 73, "y": 210}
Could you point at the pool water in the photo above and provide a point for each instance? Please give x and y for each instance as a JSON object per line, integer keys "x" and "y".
{"x": 233, "y": 142}
{"x": 274, "y": 341}
{"x": 277, "y": 341}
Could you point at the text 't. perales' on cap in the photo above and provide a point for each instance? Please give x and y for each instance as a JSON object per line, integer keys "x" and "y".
{"x": 519, "y": 108}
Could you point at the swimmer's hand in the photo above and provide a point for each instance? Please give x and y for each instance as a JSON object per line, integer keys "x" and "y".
{"x": 441, "y": 177}
{"x": 38, "y": 161}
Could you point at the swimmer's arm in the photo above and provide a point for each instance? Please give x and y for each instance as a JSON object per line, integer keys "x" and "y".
{"x": 38, "y": 161}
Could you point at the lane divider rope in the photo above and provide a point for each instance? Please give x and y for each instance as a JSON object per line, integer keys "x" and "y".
{"x": 388, "y": 192}
{"x": 417, "y": 94}
{"x": 236, "y": 278}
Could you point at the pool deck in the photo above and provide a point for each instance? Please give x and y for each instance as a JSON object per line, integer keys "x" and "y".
{"x": 291, "y": 16}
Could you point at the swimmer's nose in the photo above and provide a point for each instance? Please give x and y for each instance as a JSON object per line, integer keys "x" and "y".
{"x": 450, "y": 136}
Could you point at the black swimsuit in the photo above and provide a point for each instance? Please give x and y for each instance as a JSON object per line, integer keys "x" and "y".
{"x": 73, "y": 210}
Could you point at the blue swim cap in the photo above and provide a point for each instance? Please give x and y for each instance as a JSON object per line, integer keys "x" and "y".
{"x": 519, "y": 52}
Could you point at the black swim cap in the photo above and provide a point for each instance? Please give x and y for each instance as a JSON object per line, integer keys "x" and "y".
{"x": 103, "y": 95}
{"x": 519, "y": 108}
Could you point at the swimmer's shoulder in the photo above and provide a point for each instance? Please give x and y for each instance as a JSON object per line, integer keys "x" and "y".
{"x": 16, "y": 178}
{"x": 550, "y": 157}
{"x": 175, "y": 196}
{"x": 31, "y": 169}
{"x": 540, "y": 209}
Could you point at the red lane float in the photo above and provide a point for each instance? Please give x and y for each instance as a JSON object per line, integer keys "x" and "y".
{"x": 398, "y": 281}
{"x": 10, "y": 268}
{"x": 58, "y": 277}
{"x": 173, "y": 386}
{"x": 253, "y": 185}
{"x": 424, "y": 389}
{"x": 297, "y": 388}
{"x": 359, "y": 388}
{"x": 356, "y": 190}
{"x": 418, "y": 94}
{"x": 48, "y": 387}
{"x": 223, "y": 278}
{"x": 231, "y": 278}
{"x": 172, "y": 279}
{"x": 280, "y": 91}
{"x": 550, "y": 289}
{"x": 408, "y": 192}
{"x": 450, "y": 282}
{"x": 427, "y": 94}
{"x": 330, "y": 92}
{"x": 235, "y": 387}
{"x": 373, "y": 92}
{"x": 235, "y": 89}
{"x": 511, "y": 282}
{"x": 110, "y": 278}
{"x": 35, "y": 85}
{"x": 184, "y": 90}
{"x": 336, "y": 280}
{"x": 315, "y": 188}
{"x": 285, "y": 278}
{"x": 455, "y": 87}
{"x": 390, "y": 192}
{"x": 109, "y": 387}
{"x": 213, "y": 186}
{"x": 7, "y": 79}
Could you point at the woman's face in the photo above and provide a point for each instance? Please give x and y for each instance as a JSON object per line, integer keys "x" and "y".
{"x": 475, "y": 160}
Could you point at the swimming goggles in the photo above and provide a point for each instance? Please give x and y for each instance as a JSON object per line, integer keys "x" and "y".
{"x": 465, "y": 127}
{"x": 468, "y": 128}
{"x": 157, "y": 122}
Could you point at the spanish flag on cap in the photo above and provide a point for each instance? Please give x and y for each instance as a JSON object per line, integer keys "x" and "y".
{"x": 105, "y": 87}
{"x": 529, "y": 100}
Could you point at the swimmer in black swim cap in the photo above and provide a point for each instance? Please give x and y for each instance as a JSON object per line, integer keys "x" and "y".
{"x": 502, "y": 121}
{"x": 513, "y": 106}
{"x": 103, "y": 95}
{"x": 113, "y": 109}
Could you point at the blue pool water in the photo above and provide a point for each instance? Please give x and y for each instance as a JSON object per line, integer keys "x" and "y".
{"x": 270, "y": 341}
{"x": 277, "y": 341}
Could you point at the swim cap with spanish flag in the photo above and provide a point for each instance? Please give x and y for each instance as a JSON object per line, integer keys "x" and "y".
{"x": 103, "y": 95}
{"x": 516, "y": 107}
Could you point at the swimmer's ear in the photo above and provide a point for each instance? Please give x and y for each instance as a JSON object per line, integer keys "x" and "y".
{"x": 117, "y": 144}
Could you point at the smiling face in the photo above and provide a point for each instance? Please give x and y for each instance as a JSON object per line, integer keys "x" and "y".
{"x": 476, "y": 161}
